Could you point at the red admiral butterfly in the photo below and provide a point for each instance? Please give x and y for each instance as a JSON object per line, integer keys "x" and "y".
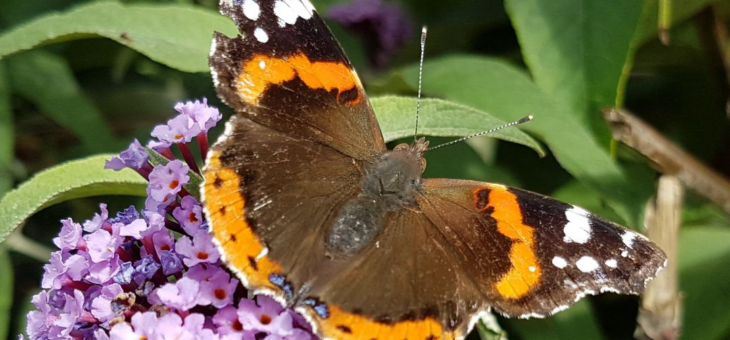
{"x": 309, "y": 206}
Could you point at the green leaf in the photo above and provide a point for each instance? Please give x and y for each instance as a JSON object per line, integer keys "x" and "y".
{"x": 396, "y": 116}
{"x": 576, "y": 49}
{"x": 508, "y": 93}
{"x": 489, "y": 329}
{"x": 175, "y": 35}
{"x": 155, "y": 157}
{"x": 575, "y": 323}
{"x": 6, "y": 292}
{"x": 80, "y": 178}
{"x": 7, "y": 135}
{"x": 46, "y": 80}
{"x": 704, "y": 277}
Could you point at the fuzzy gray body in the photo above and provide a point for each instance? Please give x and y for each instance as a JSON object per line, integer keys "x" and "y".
{"x": 388, "y": 185}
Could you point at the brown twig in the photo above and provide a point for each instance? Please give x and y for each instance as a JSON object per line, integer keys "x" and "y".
{"x": 661, "y": 306}
{"x": 668, "y": 157}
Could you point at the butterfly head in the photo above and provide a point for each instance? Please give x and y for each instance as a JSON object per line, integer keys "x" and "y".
{"x": 397, "y": 173}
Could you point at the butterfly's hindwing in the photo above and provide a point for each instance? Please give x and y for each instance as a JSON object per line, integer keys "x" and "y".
{"x": 551, "y": 253}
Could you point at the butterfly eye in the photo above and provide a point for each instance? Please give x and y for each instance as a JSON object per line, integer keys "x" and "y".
{"x": 423, "y": 165}
{"x": 402, "y": 146}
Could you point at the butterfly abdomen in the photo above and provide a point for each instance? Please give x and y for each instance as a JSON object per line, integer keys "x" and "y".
{"x": 357, "y": 224}
{"x": 388, "y": 185}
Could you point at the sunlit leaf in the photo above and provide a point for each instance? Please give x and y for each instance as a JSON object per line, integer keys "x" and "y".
{"x": 76, "y": 179}
{"x": 396, "y": 116}
{"x": 576, "y": 50}
{"x": 175, "y": 35}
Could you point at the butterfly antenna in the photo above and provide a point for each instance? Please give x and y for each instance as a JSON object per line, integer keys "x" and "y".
{"x": 420, "y": 77}
{"x": 519, "y": 121}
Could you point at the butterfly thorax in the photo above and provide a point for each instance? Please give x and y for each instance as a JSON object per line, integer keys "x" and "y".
{"x": 389, "y": 184}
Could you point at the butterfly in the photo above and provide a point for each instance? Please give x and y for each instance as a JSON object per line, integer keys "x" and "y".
{"x": 307, "y": 204}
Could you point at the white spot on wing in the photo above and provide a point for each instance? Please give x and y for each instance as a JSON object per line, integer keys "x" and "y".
{"x": 302, "y": 10}
{"x": 262, "y": 64}
{"x": 624, "y": 253}
{"x": 586, "y": 264}
{"x": 612, "y": 263}
{"x": 532, "y": 268}
{"x": 578, "y": 228}
{"x": 285, "y": 13}
{"x": 628, "y": 238}
{"x": 251, "y": 9}
{"x": 288, "y": 11}
{"x": 308, "y": 5}
{"x": 559, "y": 262}
{"x": 262, "y": 254}
{"x": 260, "y": 35}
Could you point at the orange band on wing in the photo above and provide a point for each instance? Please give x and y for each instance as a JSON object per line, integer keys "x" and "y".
{"x": 261, "y": 71}
{"x": 342, "y": 325}
{"x": 238, "y": 242}
{"x": 525, "y": 271}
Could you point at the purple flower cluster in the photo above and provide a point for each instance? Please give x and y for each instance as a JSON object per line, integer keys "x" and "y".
{"x": 155, "y": 273}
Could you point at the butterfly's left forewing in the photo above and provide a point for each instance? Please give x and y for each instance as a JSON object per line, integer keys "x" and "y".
{"x": 293, "y": 153}
{"x": 265, "y": 202}
{"x": 531, "y": 255}
{"x": 287, "y": 72}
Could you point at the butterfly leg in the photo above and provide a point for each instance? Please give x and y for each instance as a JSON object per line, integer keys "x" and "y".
{"x": 358, "y": 167}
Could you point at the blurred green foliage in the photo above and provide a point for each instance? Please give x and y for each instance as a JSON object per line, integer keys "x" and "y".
{"x": 79, "y": 78}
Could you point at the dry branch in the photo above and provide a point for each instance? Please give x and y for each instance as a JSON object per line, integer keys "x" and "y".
{"x": 668, "y": 157}
{"x": 661, "y": 306}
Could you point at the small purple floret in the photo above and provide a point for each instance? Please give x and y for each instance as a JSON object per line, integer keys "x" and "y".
{"x": 189, "y": 214}
{"x": 181, "y": 129}
{"x": 166, "y": 181}
{"x": 204, "y": 116}
{"x": 134, "y": 157}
